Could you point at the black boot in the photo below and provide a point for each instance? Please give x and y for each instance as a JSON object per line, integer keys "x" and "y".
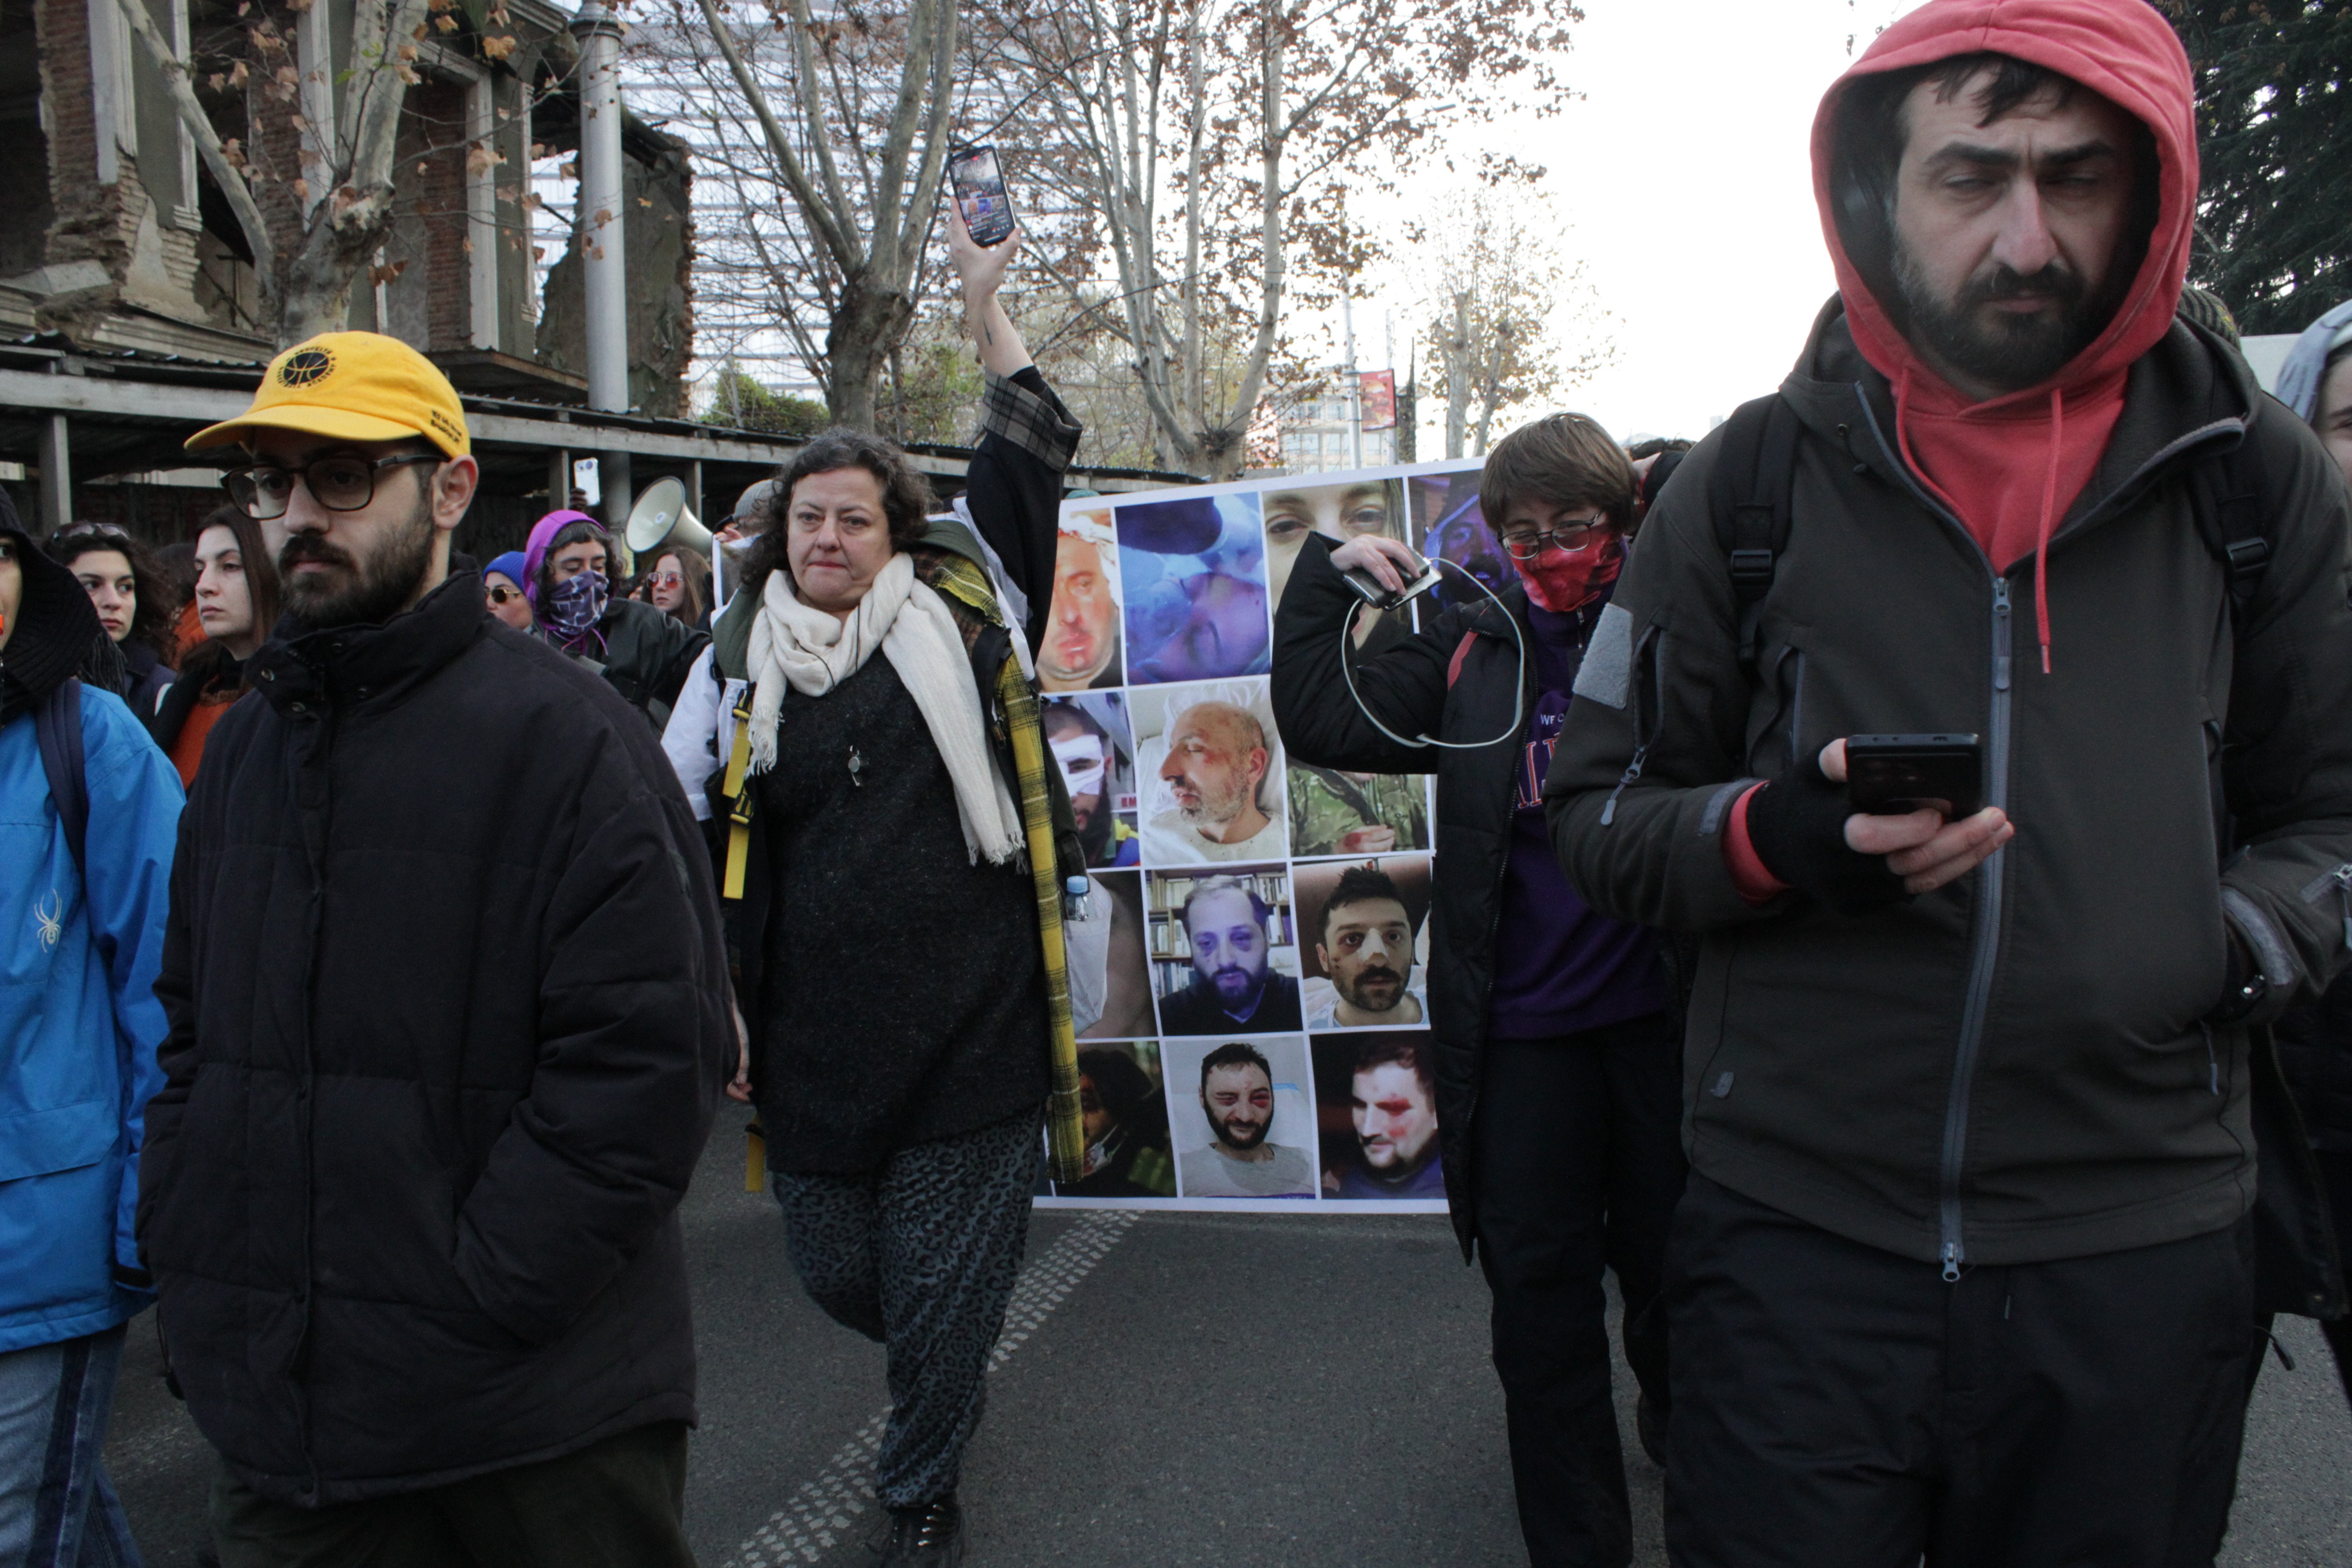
{"x": 931, "y": 1536}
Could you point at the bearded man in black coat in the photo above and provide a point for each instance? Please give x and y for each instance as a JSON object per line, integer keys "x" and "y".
{"x": 448, "y": 1025}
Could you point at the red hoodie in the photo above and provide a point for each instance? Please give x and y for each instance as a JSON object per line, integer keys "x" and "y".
{"x": 2010, "y": 468}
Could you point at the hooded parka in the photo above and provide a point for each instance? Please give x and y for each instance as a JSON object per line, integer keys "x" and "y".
{"x": 2013, "y": 1068}
{"x": 79, "y": 1022}
{"x": 448, "y": 1025}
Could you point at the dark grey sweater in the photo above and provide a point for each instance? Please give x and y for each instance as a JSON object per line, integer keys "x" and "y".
{"x": 904, "y": 998}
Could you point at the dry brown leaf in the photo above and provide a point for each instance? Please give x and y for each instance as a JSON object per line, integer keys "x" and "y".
{"x": 498, "y": 47}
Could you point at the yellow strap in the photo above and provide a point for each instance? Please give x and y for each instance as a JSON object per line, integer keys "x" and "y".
{"x": 755, "y": 1159}
{"x": 739, "y": 833}
{"x": 739, "y": 756}
{"x": 739, "y": 853}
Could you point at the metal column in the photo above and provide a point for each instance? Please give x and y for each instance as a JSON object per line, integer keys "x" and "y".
{"x": 57, "y": 475}
{"x": 603, "y": 253}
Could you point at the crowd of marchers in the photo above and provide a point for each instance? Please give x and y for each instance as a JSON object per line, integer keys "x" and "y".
{"x": 1953, "y": 1159}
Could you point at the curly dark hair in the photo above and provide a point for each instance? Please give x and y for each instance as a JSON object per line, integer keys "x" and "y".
{"x": 154, "y": 603}
{"x": 907, "y": 496}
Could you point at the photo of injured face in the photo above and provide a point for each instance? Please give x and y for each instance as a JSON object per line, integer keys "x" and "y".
{"x": 1242, "y": 1122}
{"x": 1081, "y": 650}
{"x": 1192, "y": 582}
{"x": 1447, "y": 524}
{"x": 1124, "y": 1112}
{"x": 1376, "y": 1117}
{"x": 1208, "y": 773}
{"x": 1222, "y": 951}
{"x": 1363, "y": 941}
{"x": 1094, "y": 747}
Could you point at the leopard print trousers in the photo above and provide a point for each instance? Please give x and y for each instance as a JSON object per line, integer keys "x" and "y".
{"x": 921, "y": 1255}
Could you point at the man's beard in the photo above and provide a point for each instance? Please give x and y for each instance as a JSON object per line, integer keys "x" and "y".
{"x": 1401, "y": 1167}
{"x": 2012, "y": 351}
{"x": 1236, "y": 986}
{"x": 356, "y": 592}
{"x": 1218, "y": 804}
{"x": 1354, "y": 992}
{"x": 1242, "y": 1139}
{"x": 1093, "y": 834}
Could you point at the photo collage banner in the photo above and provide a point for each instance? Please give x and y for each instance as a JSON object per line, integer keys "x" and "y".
{"x": 1249, "y": 985}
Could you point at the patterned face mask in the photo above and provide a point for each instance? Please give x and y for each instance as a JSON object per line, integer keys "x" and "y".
{"x": 574, "y": 606}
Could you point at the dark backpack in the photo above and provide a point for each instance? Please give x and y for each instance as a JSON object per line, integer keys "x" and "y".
{"x": 1756, "y": 474}
{"x": 1748, "y": 496}
{"x": 56, "y": 727}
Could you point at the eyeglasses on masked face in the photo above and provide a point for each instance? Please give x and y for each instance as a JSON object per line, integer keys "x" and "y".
{"x": 502, "y": 595}
{"x": 342, "y": 483}
{"x": 1526, "y": 542}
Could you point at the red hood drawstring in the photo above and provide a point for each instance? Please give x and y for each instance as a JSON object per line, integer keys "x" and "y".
{"x": 2048, "y": 520}
{"x": 2049, "y": 480}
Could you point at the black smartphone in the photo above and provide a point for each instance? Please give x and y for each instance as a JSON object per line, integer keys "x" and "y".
{"x": 980, "y": 193}
{"x": 1368, "y": 589}
{"x": 1887, "y": 776}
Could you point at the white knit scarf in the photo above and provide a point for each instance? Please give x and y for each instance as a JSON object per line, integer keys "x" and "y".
{"x": 814, "y": 652}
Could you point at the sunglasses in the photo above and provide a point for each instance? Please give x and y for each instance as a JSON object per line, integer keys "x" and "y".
{"x": 337, "y": 484}
{"x": 502, "y": 595}
{"x": 665, "y": 579}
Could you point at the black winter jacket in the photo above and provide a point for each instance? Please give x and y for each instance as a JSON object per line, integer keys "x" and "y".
{"x": 2315, "y": 1047}
{"x": 2013, "y": 1068}
{"x": 1408, "y": 687}
{"x": 448, "y": 1024}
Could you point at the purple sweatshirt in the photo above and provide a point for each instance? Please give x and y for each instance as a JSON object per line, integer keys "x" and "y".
{"x": 1558, "y": 967}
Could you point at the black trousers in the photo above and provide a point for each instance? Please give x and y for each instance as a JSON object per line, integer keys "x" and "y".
{"x": 617, "y": 1503}
{"x": 1837, "y": 1407}
{"x": 1578, "y": 1156}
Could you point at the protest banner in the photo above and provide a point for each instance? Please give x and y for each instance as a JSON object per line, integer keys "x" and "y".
{"x": 1248, "y": 987}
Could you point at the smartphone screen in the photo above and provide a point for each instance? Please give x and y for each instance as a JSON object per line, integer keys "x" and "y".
{"x": 980, "y": 194}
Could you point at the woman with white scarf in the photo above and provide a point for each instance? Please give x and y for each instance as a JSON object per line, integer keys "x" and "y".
{"x": 887, "y": 925}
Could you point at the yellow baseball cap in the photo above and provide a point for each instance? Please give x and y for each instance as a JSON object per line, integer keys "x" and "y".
{"x": 351, "y": 386}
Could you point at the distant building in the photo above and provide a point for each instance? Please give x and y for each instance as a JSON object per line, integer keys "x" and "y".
{"x": 1314, "y": 438}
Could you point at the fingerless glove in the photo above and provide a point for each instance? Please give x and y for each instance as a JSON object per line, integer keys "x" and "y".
{"x": 1796, "y": 824}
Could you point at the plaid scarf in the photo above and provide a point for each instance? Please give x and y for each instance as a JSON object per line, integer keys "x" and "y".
{"x": 966, "y": 588}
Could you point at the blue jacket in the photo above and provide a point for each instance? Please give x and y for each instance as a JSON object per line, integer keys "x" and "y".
{"x": 78, "y": 1021}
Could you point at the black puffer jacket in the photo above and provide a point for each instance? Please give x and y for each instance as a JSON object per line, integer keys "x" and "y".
{"x": 1408, "y": 686}
{"x": 448, "y": 1024}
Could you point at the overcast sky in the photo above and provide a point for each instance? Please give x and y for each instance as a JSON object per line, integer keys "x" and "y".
{"x": 1683, "y": 172}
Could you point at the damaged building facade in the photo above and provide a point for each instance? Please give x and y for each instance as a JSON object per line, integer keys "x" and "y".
{"x": 128, "y": 306}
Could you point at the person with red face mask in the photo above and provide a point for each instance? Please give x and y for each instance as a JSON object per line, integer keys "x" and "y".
{"x": 1558, "y": 1088}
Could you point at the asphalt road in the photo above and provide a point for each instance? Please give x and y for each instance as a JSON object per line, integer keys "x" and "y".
{"x": 1174, "y": 1390}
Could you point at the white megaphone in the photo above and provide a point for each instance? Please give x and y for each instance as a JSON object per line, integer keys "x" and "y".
{"x": 662, "y": 520}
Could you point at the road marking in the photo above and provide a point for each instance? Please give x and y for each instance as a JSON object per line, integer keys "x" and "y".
{"x": 822, "y": 1513}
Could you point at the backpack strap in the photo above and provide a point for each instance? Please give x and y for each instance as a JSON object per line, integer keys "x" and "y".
{"x": 1749, "y": 495}
{"x": 2230, "y": 491}
{"x": 57, "y": 726}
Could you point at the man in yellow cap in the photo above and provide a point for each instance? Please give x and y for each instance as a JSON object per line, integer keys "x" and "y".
{"x": 361, "y": 453}
{"x": 447, "y": 1025}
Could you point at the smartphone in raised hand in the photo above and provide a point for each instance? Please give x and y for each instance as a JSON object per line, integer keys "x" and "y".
{"x": 980, "y": 193}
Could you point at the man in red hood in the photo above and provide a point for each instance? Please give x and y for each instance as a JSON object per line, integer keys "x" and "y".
{"x": 1963, "y": 1265}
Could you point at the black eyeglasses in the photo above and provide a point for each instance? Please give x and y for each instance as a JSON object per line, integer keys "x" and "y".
{"x": 339, "y": 484}
{"x": 90, "y": 530}
{"x": 1574, "y": 538}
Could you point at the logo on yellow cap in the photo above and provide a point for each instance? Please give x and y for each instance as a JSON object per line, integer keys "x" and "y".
{"x": 306, "y": 366}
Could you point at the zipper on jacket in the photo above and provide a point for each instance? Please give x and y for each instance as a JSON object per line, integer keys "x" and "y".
{"x": 1987, "y": 952}
{"x": 2340, "y": 880}
{"x": 1646, "y": 649}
